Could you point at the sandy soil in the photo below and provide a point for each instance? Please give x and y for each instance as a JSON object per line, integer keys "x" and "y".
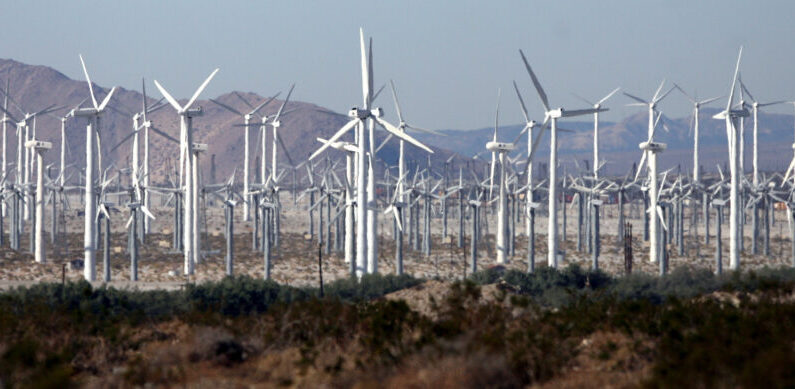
{"x": 295, "y": 260}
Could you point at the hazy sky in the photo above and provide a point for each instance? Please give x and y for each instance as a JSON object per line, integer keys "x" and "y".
{"x": 447, "y": 58}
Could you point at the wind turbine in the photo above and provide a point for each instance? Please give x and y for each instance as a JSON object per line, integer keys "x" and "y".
{"x": 731, "y": 117}
{"x": 247, "y": 133}
{"x": 93, "y": 114}
{"x": 553, "y": 115}
{"x": 697, "y": 104}
{"x": 755, "y": 106}
{"x": 186, "y": 115}
{"x": 365, "y": 197}
{"x": 596, "y": 106}
{"x": 650, "y": 151}
{"x": 501, "y": 148}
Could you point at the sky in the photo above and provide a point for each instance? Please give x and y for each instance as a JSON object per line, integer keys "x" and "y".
{"x": 447, "y": 58}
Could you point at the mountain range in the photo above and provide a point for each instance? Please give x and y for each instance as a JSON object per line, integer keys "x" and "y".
{"x": 34, "y": 87}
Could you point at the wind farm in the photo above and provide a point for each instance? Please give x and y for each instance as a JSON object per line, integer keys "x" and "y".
{"x": 442, "y": 247}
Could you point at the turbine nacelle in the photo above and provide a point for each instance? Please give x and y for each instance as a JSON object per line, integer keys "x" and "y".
{"x": 85, "y": 112}
{"x": 193, "y": 112}
{"x": 38, "y": 145}
{"x": 652, "y": 146}
{"x": 500, "y": 147}
{"x": 555, "y": 113}
{"x": 199, "y": 147}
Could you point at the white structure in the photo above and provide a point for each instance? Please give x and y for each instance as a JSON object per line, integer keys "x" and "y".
{"x": 755, "y": 106}
{"x": 697, "y": 104}
{"x": 366, "y": 250}
{"x": 186, "y": 115}
{"x": 39, "y": 147}
{"x": 596, "y": 106}
{"x": 93, "y": 114}
{"x": 553, "y": 115}
{"x": 650, "y": 151}
{"x": 246, "y": 144}
{"x": 731, "y": 116}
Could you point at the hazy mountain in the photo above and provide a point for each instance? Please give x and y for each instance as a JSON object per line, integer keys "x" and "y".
{"x": 36, "y": 87}
{"x": 619, "y": 140}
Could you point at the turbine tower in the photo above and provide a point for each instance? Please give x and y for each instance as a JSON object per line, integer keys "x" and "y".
{"x": 731, "y": 117}
{"x": 502, "y": 221}
{"x": 93, "y": 114}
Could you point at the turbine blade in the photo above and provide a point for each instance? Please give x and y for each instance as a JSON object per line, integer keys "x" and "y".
{"x": 491, "y": 175}
{"x": 537, "y": 84}
{"x": 772, "y": 103}
{"x": 395, "y": 99}
{"x": 88, "y": 80}
{"x": 243, "y": 100}
{"x": 107, "y": 99}
{"x": 402, "y": 134}
{"x": 168, "y": 97}
{"x": 284, "y": 148}
{"x": 707, "y": 101}
{"x": 126, "y": 138}
{"x": 388, "y": 137}
{"x": 609, "y": 95}
{"x": 638, "y": 99}
{"x": 201, "y": 88}
{"x": 662, "y": 218}
{"x": 281, "y": 108}
{"x": 580, "y": 112}
{"x": 657, "y": 92}
{"x": 163, "y": 134}
{"x": 425, "y": 130}
{"x": 333, "y": 139}
{"x": 264, "y": 103}
{"x": 745, "y": 90}
{"x": 378, "y": 92}
{"x": 526, "y": 127}
{"x": 640, "y": 167}
{"x": 692, "y": 100}
{"x": 146, "y": 212}
{"x": 228, "y": 108}
{"x": 365, "y": 71}
{"x": 521, "y": 103}
{"x": 664, "y": 95}
{"x": 734, "y": 81}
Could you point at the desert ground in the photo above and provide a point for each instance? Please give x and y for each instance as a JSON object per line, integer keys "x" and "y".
{"x": 295, "y": 259}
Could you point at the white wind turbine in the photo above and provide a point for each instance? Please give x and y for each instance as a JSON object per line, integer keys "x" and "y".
{"x": 650, "y": 151}
{"x": 596, "y": 106}
{"x": 697, "y": 104}
{"x": 755, "y": 106}
{"x": 93, "y": 114}
{"x": 502, "y": 220}
{"x": 552, "y": 115}
{"x": 731, "y": 117}
{"x": 401, "y": 157}
{"x": 366, "y": 251}
{"x": 276, "y": 123}
{"x": 186, "y": 115}
{"x": 246, "y": 145}
{"x": 649, "y": 159}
